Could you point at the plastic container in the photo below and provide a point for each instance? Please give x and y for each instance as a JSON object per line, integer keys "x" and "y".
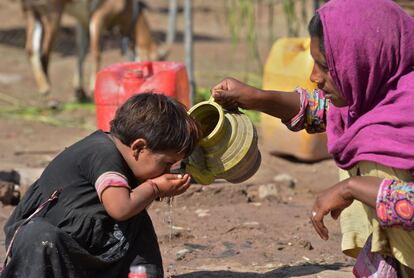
{"x": 116, "y": 83}
{"x": 137, "y": 271}
{"x": 228, "y": 149}
{"x": 289, "y": 65}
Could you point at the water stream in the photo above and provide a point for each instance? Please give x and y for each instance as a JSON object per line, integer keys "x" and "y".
{"x": 171, "y": 270}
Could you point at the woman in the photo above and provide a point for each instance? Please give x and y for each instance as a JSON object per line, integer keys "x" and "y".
{"x": 364, "y": 69}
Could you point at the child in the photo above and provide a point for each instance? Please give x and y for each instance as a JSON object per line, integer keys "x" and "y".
{"x": 89, "y": 204}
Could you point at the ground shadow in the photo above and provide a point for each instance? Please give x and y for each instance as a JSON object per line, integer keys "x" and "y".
{"x": 295, "y": 159}
{"x": 180, "y": 9}
{"x": 283, "y": 272}
{"x": 65, "y": 44}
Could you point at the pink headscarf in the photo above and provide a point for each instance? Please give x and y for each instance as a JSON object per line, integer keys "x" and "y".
{"x": 369, "y": 46}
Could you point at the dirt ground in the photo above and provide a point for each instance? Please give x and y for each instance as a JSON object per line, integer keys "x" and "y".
{"x": 220, "y": 230}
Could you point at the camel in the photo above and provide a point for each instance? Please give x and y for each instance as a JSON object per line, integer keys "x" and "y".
{"x": 43, "y": 19}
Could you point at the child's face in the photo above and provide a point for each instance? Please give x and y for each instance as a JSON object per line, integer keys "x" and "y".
{"x": 149, "y": 164}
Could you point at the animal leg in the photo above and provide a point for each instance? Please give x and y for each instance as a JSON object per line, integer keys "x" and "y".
{"x": 51, "y": 24}
{"x": 95, "y": 30}
{"x": 145, "y": 46}
{"x": 34, "y": 38}
{"x": 82, "y": 39}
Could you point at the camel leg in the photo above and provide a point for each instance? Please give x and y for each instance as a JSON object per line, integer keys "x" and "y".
{"x": 126, "y": 23}
{"x": 34, "y": 41}
{"x": 51, "y": 24}
{"x": 145, "y": 46}
{"x": 95, "y": 30}
{"x": 82, "y": 41}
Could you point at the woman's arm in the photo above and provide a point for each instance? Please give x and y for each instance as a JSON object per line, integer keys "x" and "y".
{"x": 338, "y": 197}
{"x": 392, "y": 199}
{"x": 231, "y": 93}
{"x": 298, "y": 110}
{"x": 364, "y": 189}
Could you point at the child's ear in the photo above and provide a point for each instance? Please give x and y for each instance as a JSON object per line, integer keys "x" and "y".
{"x": 138, "y": 146}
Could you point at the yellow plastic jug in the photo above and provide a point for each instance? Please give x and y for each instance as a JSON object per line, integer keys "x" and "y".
{"x": 228, "y": 149}
{"x": 289, "y": 65}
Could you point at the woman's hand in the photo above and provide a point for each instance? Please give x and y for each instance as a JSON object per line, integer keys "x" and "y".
{"x": 231, "y": 94}
{"x": 332, "y": 200}
{"x": 172, "y": 184}
{"x": 340, "y": 196}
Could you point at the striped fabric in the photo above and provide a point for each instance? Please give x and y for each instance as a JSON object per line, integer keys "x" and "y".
{"x": 110, "y": 179}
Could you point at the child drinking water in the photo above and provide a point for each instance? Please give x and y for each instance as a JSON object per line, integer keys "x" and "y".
{"x": 86, "y": 214}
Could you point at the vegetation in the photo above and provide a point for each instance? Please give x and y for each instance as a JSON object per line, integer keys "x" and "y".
{"x": 243, "y": 16}
{"x": 71, "y": 114}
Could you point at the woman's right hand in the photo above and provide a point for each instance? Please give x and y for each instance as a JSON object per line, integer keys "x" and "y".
{"x": 332, "y": 200}
{"x": 231, "y": 94}
{"x": 172, "y": 184}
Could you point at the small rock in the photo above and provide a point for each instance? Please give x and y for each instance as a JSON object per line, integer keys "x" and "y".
{"x": 251, "y": 223}
{"x": 194, "y": 246}
{"x": 27, "y": 177}
{"x": 202, "y": 212}
{"x": 177, "y": 228}
{"x": 285, "y": 179}
{"x": 306, "y": 244}
{"x": 268, "y": 191}
{"x": 181, "y": 254}
{"x": 270, "y": 266}
{"x": 251, "y": 195}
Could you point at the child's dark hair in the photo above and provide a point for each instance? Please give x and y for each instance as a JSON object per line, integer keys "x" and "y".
{"x": 315, "y": 29}
{"x": 162, "y": 121}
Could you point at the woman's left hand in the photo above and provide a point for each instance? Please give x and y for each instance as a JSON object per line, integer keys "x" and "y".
{"x": 332, "y": 200}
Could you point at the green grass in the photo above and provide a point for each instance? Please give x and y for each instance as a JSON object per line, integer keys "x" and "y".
{"x": 74, "y": 114}
{"x": 67, "y": 115}
{"x": 73, "y": 106}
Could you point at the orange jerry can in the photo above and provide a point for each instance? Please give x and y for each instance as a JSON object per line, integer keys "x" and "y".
{"x": 116, "y": 83}
{"x": 289, "y": 65}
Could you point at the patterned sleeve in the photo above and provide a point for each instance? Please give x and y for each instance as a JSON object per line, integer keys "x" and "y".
{"x": 312, "y": 114}
{"x": 395, "y": 204}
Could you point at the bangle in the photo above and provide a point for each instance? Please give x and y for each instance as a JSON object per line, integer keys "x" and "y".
{"x": 155, "y": 188}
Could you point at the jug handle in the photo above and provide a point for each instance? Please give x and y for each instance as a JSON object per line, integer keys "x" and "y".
{"x": 234, "y": 109}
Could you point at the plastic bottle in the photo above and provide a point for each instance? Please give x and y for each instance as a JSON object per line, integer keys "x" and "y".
{"x": 137, "y": 271}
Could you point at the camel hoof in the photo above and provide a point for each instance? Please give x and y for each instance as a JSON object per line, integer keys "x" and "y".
{"x": 44, "y": 92}
{"x": 53, "y": 104}
{"x": 81, "y": 96}
{"x": 162, "y": 54}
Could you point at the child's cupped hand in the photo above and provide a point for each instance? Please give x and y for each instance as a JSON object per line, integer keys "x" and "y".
{"x": 172, "y": 184}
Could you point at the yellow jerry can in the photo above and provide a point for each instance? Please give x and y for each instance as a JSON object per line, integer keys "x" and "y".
{"x": 289, "y": 65}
